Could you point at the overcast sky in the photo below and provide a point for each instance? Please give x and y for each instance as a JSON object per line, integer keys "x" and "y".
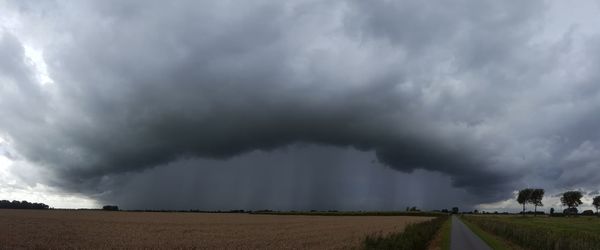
{"x": 301, "y": 104}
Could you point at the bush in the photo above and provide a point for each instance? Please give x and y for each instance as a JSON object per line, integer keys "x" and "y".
{"x": 588, "y": 213}
{"x": 414, "y": 237}
{"x": 570, "y": 211}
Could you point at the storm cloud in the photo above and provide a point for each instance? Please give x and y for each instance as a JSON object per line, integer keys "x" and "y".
{"x": 486, "y": 93}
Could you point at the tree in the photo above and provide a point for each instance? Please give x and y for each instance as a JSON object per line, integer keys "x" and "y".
{"x": 596, "y": 203}
{"x": 571, "y": 199}
{"x": 524, "y": 197}
{"x": 22, "y": 205}
{"x": 536, "y": 199}
{"x": 455, "y": 210}
{"x": 110, "y": 208}
{"x": 551, "y": 210}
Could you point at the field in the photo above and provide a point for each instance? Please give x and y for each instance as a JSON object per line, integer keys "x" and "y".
{"x": 569, "y": 224}
{"x": 543, "y": 232}
{"x": 99, "y": 229}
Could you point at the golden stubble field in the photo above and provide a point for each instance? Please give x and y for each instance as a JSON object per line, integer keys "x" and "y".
{"x": 98, "y": 229}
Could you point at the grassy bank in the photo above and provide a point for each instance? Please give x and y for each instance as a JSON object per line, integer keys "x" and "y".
{"x": 542, "y": 232}
{"x": 414, "y": 236}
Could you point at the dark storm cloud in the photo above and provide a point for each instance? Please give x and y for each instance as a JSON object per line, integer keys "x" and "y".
{"x": 444, "y": 87}
{"x": 299, "y": 177}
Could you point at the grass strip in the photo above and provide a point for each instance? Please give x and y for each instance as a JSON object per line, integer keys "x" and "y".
{"x": 446, "y": 228}
{"x": 414, "y": 237}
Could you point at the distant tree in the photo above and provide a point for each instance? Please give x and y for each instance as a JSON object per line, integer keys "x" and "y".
{"x": 455, "y": 210}
{"x": 476, "y": 211}
{"x": 22, "y": 205}
{"x": 551, "y": 210}
{"x": 571, "y": 199}
{"x": 536, "y": 199}
{"x": 110, "y": 208}
{"x": 524, "y": 197}
{"x": 596, "y": 203}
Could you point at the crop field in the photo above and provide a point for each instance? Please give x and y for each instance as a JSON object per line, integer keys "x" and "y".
{"x": 543, "y": 232}
{"x": 99, "y": 229}
{"x": 571, "y": 224}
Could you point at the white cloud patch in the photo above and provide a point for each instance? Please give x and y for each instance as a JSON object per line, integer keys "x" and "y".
{"x": 15, "y": 184}
{"x": 35, "y": 57}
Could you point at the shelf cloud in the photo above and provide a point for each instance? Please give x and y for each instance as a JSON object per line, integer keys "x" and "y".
{"x": 489, "y": 94}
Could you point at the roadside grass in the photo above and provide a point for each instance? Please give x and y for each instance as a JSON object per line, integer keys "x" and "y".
{"x": 491, "y": 240}
{"x": 414, "y": 237}
{"x": 542, "y": 232}
{"x": 441, "y": 240}
{"x": 446, "y": 228}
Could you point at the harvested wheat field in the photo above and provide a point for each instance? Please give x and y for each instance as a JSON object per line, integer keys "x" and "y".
{"x": 99, "y": 229}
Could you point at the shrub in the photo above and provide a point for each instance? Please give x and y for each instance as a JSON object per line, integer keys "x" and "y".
{"x": 587, "y": 213}
{"x": 570, "y": 211}
{"x": 414, "y": 237}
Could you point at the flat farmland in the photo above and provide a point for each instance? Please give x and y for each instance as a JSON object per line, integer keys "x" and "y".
{"x": 100, "y": 230}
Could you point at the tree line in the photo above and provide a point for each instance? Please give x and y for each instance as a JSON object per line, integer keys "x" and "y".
{"x": 22, "y": 205}
{"x": 570, "y": 199}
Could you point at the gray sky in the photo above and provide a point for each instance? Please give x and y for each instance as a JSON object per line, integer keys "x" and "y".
{"x": 297, "y": 104}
